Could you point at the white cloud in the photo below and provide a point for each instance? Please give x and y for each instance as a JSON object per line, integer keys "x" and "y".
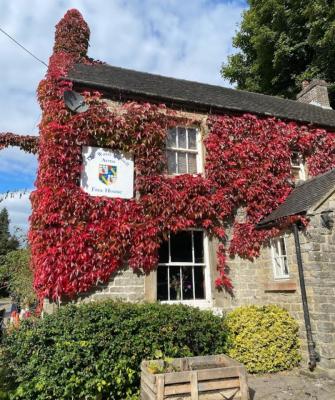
{"x": 19, "y": 209}
{"x": 183, "y": 39}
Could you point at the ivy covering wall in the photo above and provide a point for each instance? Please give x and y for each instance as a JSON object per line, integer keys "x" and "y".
{"x": 78, "y": 241}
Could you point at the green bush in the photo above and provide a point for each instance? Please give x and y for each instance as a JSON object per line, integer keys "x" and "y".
{"x": 6, "y": 383}
{"x": 17, "y": 277}
{"x": 94, "y": 351}
{"x": 264, "y": 339}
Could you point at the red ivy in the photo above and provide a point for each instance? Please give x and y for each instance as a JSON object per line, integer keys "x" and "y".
{"x": 78, "y": 241}
{"x": 26, "y": 143}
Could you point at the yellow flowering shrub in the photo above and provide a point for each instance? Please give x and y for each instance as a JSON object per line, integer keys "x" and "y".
{"x": 264, "y": 339}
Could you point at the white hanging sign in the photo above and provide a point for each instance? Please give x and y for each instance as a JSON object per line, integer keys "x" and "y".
{"x": 107, "y": 173}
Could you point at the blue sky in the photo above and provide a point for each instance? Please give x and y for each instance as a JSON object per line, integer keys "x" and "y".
{"x": 185, "y": 39}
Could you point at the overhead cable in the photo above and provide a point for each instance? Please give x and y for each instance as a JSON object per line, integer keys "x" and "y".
{"x": 22, "y": 47}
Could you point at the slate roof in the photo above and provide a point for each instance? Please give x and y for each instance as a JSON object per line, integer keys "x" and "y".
{"x": 200, "y": 96}
{"x": 303, "y": 197}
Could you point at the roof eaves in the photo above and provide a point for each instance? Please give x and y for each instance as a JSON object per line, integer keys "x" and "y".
{"x": 153, "y": 95}
{"x": 191, "y": 102}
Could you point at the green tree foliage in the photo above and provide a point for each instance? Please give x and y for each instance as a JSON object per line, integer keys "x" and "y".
{"x": 17, "y": 277}
{"x": 281, "y": 43}
{"x": 7, "y": 241}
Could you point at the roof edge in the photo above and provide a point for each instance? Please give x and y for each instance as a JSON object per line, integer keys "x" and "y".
{"x": 201, "y": 106}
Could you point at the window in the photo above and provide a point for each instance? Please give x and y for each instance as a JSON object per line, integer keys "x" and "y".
{"x": 279, "y": 258}
{"x": 183, "y": 151}
{"x": 298, "y": 167}
{"x": 181, "y": 273}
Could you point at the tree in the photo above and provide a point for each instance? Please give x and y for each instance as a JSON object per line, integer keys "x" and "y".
{"x": 282, "y": 43}
{"x": 17, "y": 276}
{"x": 7, "y": 241}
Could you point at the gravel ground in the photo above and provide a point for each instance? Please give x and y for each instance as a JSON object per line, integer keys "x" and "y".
{"x": 291, "y": 385}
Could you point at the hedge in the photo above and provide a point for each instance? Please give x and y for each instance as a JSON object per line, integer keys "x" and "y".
{"x": 264, "y": 339}
{"x": 93, "y": 351}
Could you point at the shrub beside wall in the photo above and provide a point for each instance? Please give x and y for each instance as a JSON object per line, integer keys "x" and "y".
{"x": 94, "y": 351}
{"x": 264, "y": 339}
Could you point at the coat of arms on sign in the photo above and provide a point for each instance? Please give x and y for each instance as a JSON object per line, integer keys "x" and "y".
{"x": 107, "y": 173}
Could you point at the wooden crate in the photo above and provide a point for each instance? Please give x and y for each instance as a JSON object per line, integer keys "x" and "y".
{"x": 200, "y": 378}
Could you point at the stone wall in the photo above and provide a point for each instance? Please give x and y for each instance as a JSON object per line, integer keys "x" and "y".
{"x": 318, "y": 247}
{"x": 124, "y": 285}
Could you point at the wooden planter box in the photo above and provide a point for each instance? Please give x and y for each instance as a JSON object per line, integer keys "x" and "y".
{"x": 200, "y": 378}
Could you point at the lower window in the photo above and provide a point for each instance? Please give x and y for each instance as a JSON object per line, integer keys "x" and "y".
{"x": 279, "y": 258}
{"x": 181, "y": 269}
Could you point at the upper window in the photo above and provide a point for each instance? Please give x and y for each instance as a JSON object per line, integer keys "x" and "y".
{"x": 298, "y": 166}
{"x": 181, "y": 268}
{"x": 279, "y": 258}
{"x": 183, "y": 151}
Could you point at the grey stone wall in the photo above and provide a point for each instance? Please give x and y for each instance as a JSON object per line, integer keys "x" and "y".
{"x": 318, "y": 246}
{"x": 124, "y": 285}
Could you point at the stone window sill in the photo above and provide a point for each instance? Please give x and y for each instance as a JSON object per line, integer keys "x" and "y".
{"x": 281, "y": 286}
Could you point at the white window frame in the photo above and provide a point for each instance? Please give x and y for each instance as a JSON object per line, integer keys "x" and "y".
{"x": 299, "y": 166}
{"x": 201, "y": 303}
{"x": 279, "y": 259}
{"x": 198, "y": 151}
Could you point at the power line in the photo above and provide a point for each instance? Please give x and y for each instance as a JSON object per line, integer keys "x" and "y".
{"x": 22, "y": 47}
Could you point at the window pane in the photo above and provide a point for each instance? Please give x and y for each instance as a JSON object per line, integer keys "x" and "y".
{"x": 282, "y": 247}
{"x": 295, "y": 159}
{"x": 162, "y": 283}
{"x": 182, "y": 138}
{"x": 198, "y": 247}
{"x": 182, "y": 169}
{"x": 192, "y": 163}
{"x": 181, "y": 246}
{"x": 171, "y": 158}
{"x": 187, "y": 282}
{"x": 277, "y": 268}
{"x": 175, "y": 283}
{"x": 171, "y": 138}
{"x": 285, "y": 267}
{"x": 164, "y": 252}
{"x": 199, "y": 282}
{"x": 276, "y": 248}
{"x": 192, "y": 139}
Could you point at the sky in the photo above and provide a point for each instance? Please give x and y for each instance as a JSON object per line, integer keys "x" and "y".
{"x": 184, "y": 39}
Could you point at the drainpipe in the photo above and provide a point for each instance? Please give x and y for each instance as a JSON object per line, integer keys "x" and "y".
{"x": 313, "y": 356}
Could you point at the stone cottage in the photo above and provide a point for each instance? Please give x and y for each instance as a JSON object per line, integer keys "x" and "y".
{"x": 272, "y": 278}
{"x": 78, "y": 235}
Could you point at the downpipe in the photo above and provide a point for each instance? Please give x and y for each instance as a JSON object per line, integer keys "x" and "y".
{"x": 313, "y": 355}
